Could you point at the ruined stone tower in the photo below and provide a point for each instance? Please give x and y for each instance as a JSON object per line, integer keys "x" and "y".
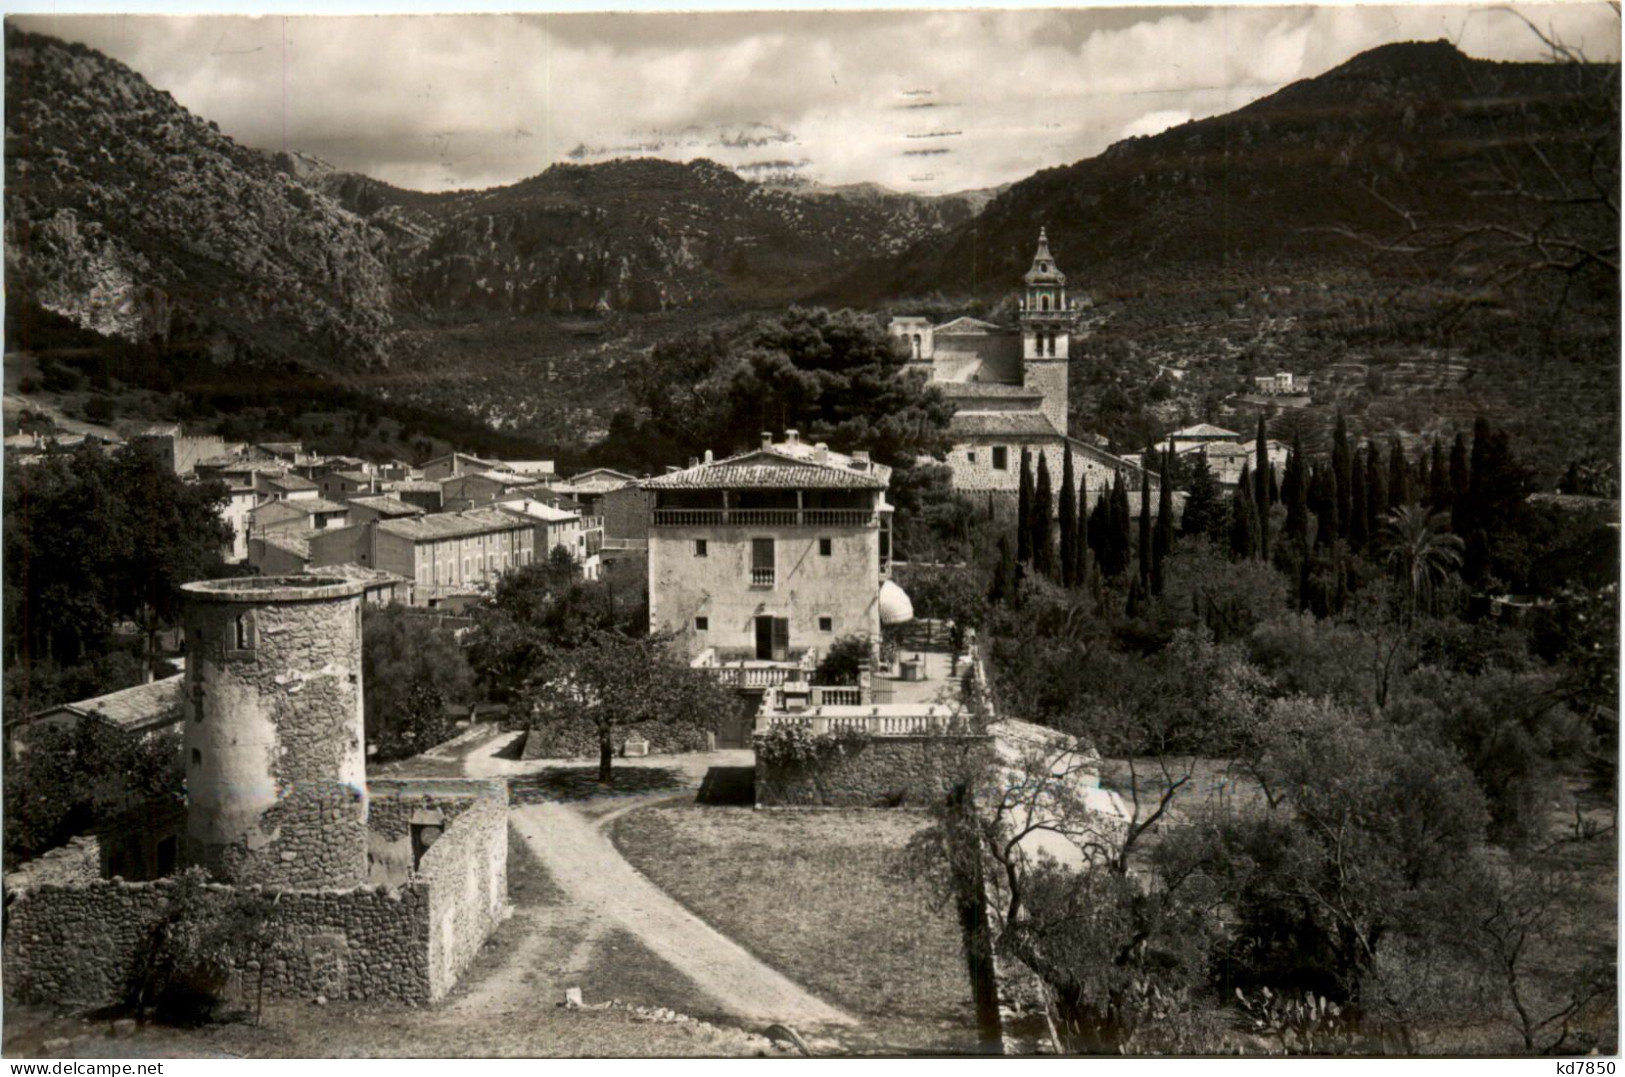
{"x": 274, "y": 747}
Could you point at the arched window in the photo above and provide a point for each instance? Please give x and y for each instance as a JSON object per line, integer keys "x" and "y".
{"x": 1052, "y": 344}
{"x": 1043, "y": 302}
{"x": 916, "y": 345}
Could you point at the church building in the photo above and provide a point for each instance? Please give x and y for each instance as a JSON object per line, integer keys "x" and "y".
{"x": 1008, "y": 385}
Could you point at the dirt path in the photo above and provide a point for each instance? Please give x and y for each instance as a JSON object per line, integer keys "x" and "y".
{"x": 605, "y": 888}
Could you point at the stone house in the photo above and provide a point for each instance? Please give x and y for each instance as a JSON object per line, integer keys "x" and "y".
{"x": 426, "y": 494}
{"x": 280, "y": 553}
{"x": 343, "y": 485}
{"x": 139, "y": 711}
{"x": 456, "y": 463}
{"x": 555, "y": 527}
{"x": 300, "y": 514}
{"x": 770, "y": 553}
{"x": 283, "y": 486}
{"x": 441, "y": 553}
{"x": 474, "y": 489}
{"x": 380, "y": 507}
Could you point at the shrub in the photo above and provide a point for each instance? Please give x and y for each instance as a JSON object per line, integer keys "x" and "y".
{"x": 846, "y": 657}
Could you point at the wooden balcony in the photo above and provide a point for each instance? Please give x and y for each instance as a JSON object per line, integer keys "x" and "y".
{"x": 764, "y": 517}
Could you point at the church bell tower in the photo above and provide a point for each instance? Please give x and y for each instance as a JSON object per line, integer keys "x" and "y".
{"x": 1047, "y": 319}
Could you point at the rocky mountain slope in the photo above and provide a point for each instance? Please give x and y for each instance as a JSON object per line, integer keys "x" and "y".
{"x": 133, "y": 218}
{"x": 630, "y": 235}
{"x": 1316, "y": 174}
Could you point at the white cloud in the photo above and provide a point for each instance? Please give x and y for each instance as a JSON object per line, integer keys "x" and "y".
{"x": 436, "y": 102}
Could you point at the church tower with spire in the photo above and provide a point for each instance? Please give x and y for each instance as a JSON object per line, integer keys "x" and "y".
{"x": 1047, "y": 320}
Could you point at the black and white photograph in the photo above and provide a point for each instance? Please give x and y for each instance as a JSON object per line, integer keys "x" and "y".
{"x": 866, "y": 533}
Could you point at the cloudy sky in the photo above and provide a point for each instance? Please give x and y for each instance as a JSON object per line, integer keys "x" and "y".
{"x": 927, "y": 101}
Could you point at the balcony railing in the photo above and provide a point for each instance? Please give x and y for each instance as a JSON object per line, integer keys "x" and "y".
{"x": 763, "y": 517}
{"x": 754, "y": 677}
{"x": 761, "y": 577}
{"x": 875, "y": 725}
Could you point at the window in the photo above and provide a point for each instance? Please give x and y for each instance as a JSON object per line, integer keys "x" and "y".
{"x": 1001, "y": 458}
{"x": 825, "y": 547}
{"x": 700, "y": 548}
{"x": 761, "y": 562}
{"x": 242, "y": 632}
{"x": 197, "y": 758}
{"x": 826, "y": 624}
{"x": 970, "y": 456}
{"x": 702, "y": 624}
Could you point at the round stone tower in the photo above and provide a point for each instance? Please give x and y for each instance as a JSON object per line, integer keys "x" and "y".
{"x": 275, "y": 751}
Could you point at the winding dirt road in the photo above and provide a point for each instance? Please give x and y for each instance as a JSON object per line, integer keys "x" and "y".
{"x": 603, "y": 886}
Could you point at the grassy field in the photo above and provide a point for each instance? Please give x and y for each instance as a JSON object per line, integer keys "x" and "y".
{"x": 824, "y": 898}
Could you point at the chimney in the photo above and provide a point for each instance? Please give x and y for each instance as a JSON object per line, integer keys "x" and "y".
{"x": 693, "y": 461}
{"x": 792, "y": 437}
{"x": 708, "y": 456}
{"x": 860, "y": 459}
{"x": 767, "y": 439}
{"x": 821, "y": 453}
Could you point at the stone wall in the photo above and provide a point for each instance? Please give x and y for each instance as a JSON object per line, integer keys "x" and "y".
{"x": 979, "y": 476}
{"x": 880, "y": 772}
{"x": 395, "y": 804}
{"x": 77, "y": 945}
{"x": 467, "y": 874}
{"x": 72, "y": 938}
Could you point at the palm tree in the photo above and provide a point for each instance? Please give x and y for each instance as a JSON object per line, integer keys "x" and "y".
{"x": 1421, "y": 552}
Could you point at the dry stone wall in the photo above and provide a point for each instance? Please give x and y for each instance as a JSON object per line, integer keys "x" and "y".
{"x": 880, "y": 772}
{"x": 73, "y": 939}
{"x": 78, "y": 945}
{"x": 467, "y": 875}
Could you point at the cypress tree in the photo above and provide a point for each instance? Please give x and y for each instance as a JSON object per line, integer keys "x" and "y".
{"x": 1275, "y": 487}
{"x": 1043, "y": 545}
{"x": 1438, "y": 479}
{"x": 1460, "y": 479}
{"x": 1162, "y": 542}
{"x": 1024, "y": 511}
{"x": 1376, "y": 492}
{"x": 1122, "y": 526}
{"x": 1399, "y": 476}
{"x": 1342, "y": 480}
{"x": 1143, "y": 551}
{"x": 1069, "y": 522}
{"x": 1323, "y": 492}
{"x": 1478, "y": 473}
{"x": 1080, "y": 544}
{"x": 1295, "y": 492}
{"x": 1243, "y": 518}
{"x": 1098, "y": 529}
{"x": 1357, "y": 502}
{"x": 1004, "y": 575}
{"x": 1261, "y": 471}
{"x": 1203, "y": 511}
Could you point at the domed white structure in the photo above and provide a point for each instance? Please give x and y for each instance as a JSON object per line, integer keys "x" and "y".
{"x": 895, "y": 606}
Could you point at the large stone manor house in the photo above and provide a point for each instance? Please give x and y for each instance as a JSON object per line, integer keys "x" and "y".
{"x": 1008, "y": 385}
